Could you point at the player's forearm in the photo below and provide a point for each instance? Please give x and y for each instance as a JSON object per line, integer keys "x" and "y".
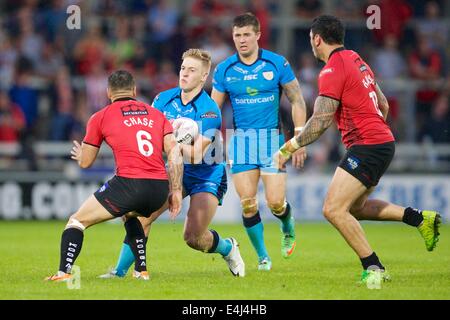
{"x": 310, "y": 133}
{"x": 299, "y": 115}
{"x": 218, "y": 97}
{"x": 295, "y": 97}
{"x": 321, "y": 120}
{"x": 87, "y": 156}
{"x": 175, "y": 168}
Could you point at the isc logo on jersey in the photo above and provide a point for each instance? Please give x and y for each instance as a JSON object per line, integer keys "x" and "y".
{"x": 251, "y": 77}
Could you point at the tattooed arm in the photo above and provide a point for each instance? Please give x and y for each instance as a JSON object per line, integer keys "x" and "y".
{"x": 295, "y": 97}
{"x": 175, "y": 172}
{"x": 322, "y": 118}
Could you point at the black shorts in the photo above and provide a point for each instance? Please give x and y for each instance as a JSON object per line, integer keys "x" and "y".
{"x": 122, "y": 195}
{"x": 368, "y": 163}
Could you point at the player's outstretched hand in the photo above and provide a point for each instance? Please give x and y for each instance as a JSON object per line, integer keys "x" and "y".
{"x": 299, "y": 157}
{"x": 279, "y": 161}
{"x": 76, "y": 151}
{"x": 175, "y": 199}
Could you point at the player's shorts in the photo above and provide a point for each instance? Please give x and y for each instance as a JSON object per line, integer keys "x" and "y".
{"x": 254, "y": 150}
{"x": 211, "y": 179}
{"x": 368, "y": 163}
{"x": 121, "y": 195}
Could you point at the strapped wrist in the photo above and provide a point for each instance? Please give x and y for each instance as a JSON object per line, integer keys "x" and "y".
{"x": 285, "y": 153}
{"x": 294, "y": 143}
{"x": 298, "y": 129}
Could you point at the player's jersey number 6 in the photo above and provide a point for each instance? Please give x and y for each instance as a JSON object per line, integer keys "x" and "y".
{"x": 143, "y": 140}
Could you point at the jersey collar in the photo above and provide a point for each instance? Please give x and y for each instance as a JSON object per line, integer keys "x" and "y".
{"x": 257, "y": 59}
{"x": 124, "y": 99}
{"x": 192, "y": 102}
{"x": 336, "y": 50}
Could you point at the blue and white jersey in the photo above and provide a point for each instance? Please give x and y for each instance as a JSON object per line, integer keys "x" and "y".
{"x": 255, "y": 89}
{"x": 206, "y": 113}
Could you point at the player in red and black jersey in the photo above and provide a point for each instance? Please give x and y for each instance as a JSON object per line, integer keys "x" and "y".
{"x": 138, "y": 134}
{"x": 349, "y": 94}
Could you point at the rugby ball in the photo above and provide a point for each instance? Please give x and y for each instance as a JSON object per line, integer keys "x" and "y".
{"x": 186, "y": 130}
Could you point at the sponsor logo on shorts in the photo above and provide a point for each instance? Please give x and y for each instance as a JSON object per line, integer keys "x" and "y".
{"x": 352, "y": 163}
{"x": 103, "y": 188}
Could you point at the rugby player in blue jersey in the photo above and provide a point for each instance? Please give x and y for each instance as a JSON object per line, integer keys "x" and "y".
{"x": 204, "y": 177}
{"x": 253, "y": 79}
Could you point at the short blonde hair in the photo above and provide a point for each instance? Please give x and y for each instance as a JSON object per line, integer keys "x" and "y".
{"x": 200, "y": 54}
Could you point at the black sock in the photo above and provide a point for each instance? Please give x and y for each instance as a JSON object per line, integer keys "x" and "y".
{"x": 371, "y": 260}
{"x": 136, "y": 241}
{"x": 412, "y": 217}
{"x": 286, "y": 214}
{"x": 215, "y": 241}
{"x": 71, "y": 242}
{"x": 250, "y": 222}
{"x": 145, "y": 243}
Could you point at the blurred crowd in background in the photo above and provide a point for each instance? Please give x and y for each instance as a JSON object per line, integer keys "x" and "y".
{"x": 52, "y": 78}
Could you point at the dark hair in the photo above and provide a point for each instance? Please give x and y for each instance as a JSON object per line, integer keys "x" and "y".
{"x": 246, "y": 19}
{"x": 121, "y": 80}
{"x": 329, "y": 28}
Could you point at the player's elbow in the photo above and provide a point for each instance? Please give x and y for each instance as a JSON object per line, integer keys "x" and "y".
{"x": 84, "y": 164}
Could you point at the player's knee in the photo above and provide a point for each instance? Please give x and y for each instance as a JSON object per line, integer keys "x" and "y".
{"x": 329, "y": 211}
{"x": 277, "y": 207}
{"x": 76, "y": 222}
{"x": 249, "y": 207}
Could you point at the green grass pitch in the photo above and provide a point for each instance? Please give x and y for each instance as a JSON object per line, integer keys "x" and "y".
{"x": 323, "y": 266}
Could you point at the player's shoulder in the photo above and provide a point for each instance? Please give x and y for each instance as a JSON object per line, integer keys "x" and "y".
{"x": 207, "y": 102}
{"x": 274, "y": 57}
{"x": 336, "y": 62}
{"x": 168, "y": 94}
{"x": 341, "y": 55}
{"x": 101, "y": 113}
{"x": 222, "y": 66}
{"x": 165, "y": 96}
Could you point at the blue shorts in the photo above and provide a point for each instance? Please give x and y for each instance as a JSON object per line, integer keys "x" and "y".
{"x": 205, "y": 178}
{"x": 254, "y": 151}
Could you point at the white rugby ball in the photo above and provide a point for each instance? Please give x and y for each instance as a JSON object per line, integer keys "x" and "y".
{"x": 186, "y": 130}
